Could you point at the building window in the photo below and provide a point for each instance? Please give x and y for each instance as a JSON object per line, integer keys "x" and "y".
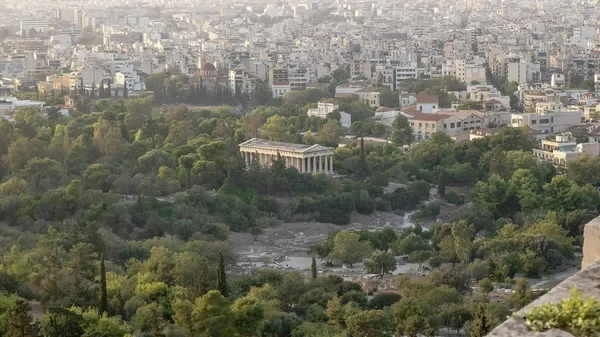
{"x": 544, "y": 121}
{"x": 458, "y": 124}
{"x": 445, "y": 126}
{"x": 420, "y": 108}
{"x": 451, "y": 125}
{"x": 420, "y": 125}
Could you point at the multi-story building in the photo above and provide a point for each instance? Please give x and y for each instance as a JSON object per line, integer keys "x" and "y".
{"x": 279, "y": 89}
{"x": 564, "y": 148}
{"x": 550, "y": 122}
{"x": 385, "y": 75}
{"x": 365, "y": 93}
{"x": 325, "y": 108}
{"x": 451, "y": 123}
{"x": 24, "y": 45}
{"x": 130, "y": 79}
{"x": 37, "y": 25}
{"x": 242, "y": 81}
{"x": 523, "y": 72}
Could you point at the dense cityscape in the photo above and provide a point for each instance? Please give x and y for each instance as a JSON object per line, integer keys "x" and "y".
{"x": 347, "y": 168}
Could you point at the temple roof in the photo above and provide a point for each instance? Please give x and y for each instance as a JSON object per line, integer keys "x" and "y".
{"x": 267, "y": 144}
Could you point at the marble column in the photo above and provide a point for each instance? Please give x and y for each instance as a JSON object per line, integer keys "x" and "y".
{"x": 327, "y": 164}
{"x": 331, "y": 163}
{"x": 318, "y": 164}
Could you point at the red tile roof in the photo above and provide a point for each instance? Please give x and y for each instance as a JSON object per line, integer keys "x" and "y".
{"x": 427, "y": 99}
{"x": 419, "y": 116}
{"x": 596, "y": 132}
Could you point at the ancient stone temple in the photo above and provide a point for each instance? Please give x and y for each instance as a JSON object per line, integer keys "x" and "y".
{"x": 305, "y": 158}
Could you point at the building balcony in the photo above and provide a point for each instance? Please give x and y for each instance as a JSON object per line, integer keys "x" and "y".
{"x": 586, "y": 281}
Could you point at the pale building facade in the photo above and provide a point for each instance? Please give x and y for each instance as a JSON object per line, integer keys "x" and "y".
{"x": 305, "y": 158}
{"x": 564, "y": 149}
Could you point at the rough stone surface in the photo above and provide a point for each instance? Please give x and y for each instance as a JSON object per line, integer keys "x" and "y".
{"x": 591, "y": 243}
{"x": 586, "y": 281}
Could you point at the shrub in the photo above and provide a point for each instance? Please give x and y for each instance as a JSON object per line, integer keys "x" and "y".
{"x": 453, "y": 198}
{"x": 485, "y": 285}
{"x": 435, "y": 261}
{"x": 381, "y": 204}
{"x": 427, "y": 211}
{"x": 575, "y": 314}
{"x": 383, "y": 300}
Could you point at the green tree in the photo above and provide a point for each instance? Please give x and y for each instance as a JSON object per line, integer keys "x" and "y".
{"x": 348, "y": 249}
{"x": 313, "y": 268}
{"x": 249, "y": 314}
{"x": 388, "y": 98}
{"x": 463, "y": 234}
{"x": 381, "y": 263}
{"x": 212, "y": 316}
{"x": 149, "y": 319}
{"x": 61, "y": 322}
{"x": 419, "y": 256}
{"x": 276, "y": 129}
{"x": 371, "y": 323}
{"x": 18, "y": 321}
{"x": 329, "y": 134}
{"x": 402, "y": 133}
{"x": 584, "y": 170}
{"x": 103, "y": 292}
{"x": 221, "y": 276}
{"x": 187, "y": 162}
{"x": 479, "y": 327}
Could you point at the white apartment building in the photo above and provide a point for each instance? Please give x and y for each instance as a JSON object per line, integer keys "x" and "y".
{"x": 325, "y": 108}
{"x": 242, "y": 80}
{"x": 551, "y": 122}
{"x": 279, "y": 89}
{"x": 404, "y": 72}
{"x": 474, "y": 73}
{"x": 523, "y": 72}
{"x": 130, "y": 79}
{"x": 38, "y": 25}
{"x": 557, "y": 80}
{"x": 89, "y": 75}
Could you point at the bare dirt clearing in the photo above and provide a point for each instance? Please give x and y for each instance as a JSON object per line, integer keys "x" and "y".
{"x": 285, "y": 247}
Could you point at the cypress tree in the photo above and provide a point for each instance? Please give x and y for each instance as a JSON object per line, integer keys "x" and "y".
{"x": 363, "y": 161}
{"x": 313, "y": 268}
{"x": 93, "y": 94}
{"x": 125, "y": 94}
{"x": 221, "y": 277}
{"x": 109, "y": 90}
{"x": 480, "y": 326}
{"x": 204, "y": 280}
{"x": 103, "y": 293}
{"x": 442, "y": 183}
{"x": 101, "y": 89}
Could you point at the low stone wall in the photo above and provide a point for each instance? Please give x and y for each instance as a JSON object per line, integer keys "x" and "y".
{"x": 587, "y": 281}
